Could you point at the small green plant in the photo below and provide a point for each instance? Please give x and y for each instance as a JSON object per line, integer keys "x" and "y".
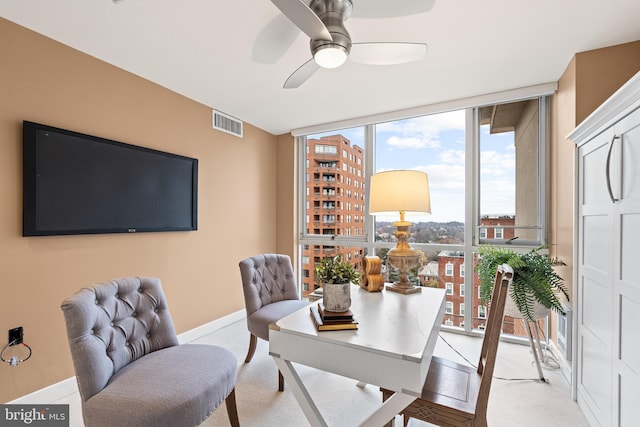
{"x": 336, "y": 270}
{"x": 534, "y": 278}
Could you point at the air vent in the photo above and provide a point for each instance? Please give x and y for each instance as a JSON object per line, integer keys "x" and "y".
{"x": 227, "y": 124}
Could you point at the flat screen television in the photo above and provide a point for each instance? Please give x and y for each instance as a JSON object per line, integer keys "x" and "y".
{"x": 82, "y": 184}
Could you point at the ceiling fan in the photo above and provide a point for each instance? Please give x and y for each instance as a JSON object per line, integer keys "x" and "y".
{"x": 323, "y": 22}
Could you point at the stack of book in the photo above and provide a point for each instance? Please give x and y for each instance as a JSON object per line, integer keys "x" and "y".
{"x": 332, "y": 320}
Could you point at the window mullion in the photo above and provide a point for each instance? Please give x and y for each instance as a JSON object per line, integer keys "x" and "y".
{"x": 472, "y": 203}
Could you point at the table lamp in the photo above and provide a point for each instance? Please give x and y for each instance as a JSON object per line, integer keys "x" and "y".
{"x": 400, "y": 191}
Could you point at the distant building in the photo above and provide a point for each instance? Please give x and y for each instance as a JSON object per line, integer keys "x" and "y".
{"x": 499, "y": 227}
{"x": 336, "y": 195}
{"x": 450, "y": 276}
{"x": 428, "y": 274}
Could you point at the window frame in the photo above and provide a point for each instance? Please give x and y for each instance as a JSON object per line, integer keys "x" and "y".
{"x": 448, "y": 269}
{"x": 472, "y": 235}
{"x": 482, "y": 312}
{"x": 448, "y": 286}
{"x": 498, "y": 230}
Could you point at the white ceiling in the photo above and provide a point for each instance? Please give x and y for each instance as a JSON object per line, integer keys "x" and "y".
{"x": 235, "y": 55}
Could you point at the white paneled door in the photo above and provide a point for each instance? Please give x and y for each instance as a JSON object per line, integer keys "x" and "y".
{"x": 608, "y": 282}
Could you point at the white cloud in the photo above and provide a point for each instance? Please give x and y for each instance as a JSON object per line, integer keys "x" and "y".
{"x": 433, "y": 124}
{"x": 497, "y": 164}
{"x": 498, "y": 198}
{"x": 455, "y": 157}
{"x": 421, "y": 132}
{"x": 412, "y": 142}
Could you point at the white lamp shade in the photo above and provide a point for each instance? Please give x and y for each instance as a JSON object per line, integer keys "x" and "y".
{"x": 399, "y": 190}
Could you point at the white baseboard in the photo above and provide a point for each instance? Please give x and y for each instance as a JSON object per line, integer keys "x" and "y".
{"x": 208, "y": 328}
{"x": 565, "y": 365}
{"x": 69, "y": 386}
{"x": 49, "y": 394}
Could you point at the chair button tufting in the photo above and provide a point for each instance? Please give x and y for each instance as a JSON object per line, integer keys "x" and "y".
{"x": 97, "y": 302}
{"x": 134, "y": 314}
{"x": 148, "y": 335}
{"x": 116, "y": 296}
{"x": 140, "y": 289}
{"x": 92, "y": 332}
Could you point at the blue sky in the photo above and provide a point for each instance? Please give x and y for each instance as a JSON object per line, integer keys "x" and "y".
{"x": 435, "y": 144}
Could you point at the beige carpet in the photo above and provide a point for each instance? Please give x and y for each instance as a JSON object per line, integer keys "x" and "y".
{"x": 342, "y": 403}
{"x": 516, "y": 403}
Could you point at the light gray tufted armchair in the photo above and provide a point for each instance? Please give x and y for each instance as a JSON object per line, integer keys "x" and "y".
{"x": 270, "y": 293}
{"x": 129, "y": 367}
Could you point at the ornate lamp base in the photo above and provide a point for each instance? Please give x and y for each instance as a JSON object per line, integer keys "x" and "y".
{"x": 401, "y": 289}
{"x": 404, "y": 258}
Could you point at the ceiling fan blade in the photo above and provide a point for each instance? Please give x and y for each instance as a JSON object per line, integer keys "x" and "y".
{"x": 274, "y": 40}
{"x": 304, "y": 18}
{"x": 388, "y": 9}
{"x": 387, "y": 53}
{"x": 301, "y": 75}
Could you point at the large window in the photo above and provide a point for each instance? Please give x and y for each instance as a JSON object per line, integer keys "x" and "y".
{"x": 487, "y": 185}
{"x": 334, "y": 208}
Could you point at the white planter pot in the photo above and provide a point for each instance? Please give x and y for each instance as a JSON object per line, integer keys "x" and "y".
{"x": 511, "y": 310}
{"x": 336, "y": 297}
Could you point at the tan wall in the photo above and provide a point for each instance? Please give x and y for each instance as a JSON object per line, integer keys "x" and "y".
{"x": 589, "y": 79}
{"x": 287, "y": 197}
{"x": 600, "y": 72}
{"x": 44, "y": 81}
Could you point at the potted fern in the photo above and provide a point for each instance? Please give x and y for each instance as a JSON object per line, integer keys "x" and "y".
{"x": 536, "y": 286}
{"x": 336, "y": 275}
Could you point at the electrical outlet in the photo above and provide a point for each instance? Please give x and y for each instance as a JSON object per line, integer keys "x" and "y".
{"x": 15, "y": 336}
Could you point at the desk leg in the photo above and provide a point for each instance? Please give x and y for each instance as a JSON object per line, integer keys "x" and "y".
{"x": 300, "y": 392}
{"x": 392, "y": 406}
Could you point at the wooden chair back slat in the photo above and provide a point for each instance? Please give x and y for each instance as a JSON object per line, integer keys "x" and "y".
{"x": 441, "y": 403}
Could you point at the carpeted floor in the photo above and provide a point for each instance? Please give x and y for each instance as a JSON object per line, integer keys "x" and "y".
{"x": 520, "y": 402}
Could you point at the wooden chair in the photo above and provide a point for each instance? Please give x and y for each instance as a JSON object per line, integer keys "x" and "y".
{"x": 455, "y": 394}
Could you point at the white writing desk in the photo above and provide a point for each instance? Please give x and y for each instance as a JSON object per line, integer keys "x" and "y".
{"x": 391, "y": 348}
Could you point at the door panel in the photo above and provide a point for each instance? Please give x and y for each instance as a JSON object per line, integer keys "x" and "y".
{"x": 629, "y": 128}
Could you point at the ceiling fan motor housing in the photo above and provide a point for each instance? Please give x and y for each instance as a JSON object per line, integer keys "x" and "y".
{"x": 333, "y": 13}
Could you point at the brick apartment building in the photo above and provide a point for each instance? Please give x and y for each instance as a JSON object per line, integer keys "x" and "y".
{"x": 449, "y": 274}
{"x": 336, "y": 201}
{"x": 497, "y": 227}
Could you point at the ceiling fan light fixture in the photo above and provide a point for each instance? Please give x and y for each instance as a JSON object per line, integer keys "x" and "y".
{"x": 330, "y": 55}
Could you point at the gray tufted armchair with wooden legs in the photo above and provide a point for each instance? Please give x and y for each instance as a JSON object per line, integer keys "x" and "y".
{"x": 270, "y": 293}
{"x": 129, "y": 367}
